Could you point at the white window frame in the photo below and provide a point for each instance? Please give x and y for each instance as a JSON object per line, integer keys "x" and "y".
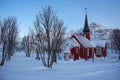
{"x": 88, "y": 51}
{"x": 98, "y": 51}
{"x": 83, "y": 51}
{"x": 92, "y": 51}
{"x": 77, "y": 50}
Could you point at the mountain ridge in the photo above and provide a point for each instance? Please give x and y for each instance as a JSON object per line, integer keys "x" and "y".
{"x": 97, "y": 31}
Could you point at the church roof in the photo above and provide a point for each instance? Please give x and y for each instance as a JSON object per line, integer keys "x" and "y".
{"x": 84, "y": 41}
{"x": 70, "y": 43}
{"x": 88, "y": 43}
{"x": 99, "y": 43}
{"x": 86, "y": 28}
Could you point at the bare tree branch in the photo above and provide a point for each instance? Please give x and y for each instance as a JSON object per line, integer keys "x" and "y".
{"x": 8, "y": 37}
{"x": 115, "y": 40}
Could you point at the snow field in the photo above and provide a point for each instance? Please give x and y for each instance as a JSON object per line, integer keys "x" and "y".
{"x": 22, "y": 68}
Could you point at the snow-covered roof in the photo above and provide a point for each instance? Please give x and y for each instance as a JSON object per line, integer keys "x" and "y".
{"x": 70, "y": 43}
{"x": 90, "y": 43}
{"x": 84, "y": 41}
{"x": 73, "y": 42}
{"x": 99, "y": 43}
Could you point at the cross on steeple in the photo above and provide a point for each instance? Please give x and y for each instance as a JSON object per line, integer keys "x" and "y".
{"x": 85, "y": 10}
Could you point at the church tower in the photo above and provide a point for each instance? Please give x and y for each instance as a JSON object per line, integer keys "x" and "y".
{"x": 86, "y": 30}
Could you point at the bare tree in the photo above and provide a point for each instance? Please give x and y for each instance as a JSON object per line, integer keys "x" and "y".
{"x": 3, "y": 41}
{"x": 115, "y": 40}
{"x": 8, "y": 36}
{"x": 27, "y": 42}
{"x": 50, "y": 31}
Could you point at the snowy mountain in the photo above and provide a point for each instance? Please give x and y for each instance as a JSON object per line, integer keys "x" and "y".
{"x": 99, "y": 32}
{"x": 97, "y": 26}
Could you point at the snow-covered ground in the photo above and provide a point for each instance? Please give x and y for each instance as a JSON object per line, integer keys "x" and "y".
{"x": 22, "y": 68}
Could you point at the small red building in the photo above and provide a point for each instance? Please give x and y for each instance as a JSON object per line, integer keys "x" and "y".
{"x": 85, "y": 48}
{"x": 101, "y": 49}
{"x": 88, "y": 48}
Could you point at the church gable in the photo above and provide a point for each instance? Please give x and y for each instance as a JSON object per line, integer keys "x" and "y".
{"x": 83, "y": 41}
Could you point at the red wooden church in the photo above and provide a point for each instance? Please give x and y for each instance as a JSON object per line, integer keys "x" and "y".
{"x": 86, "y": 48}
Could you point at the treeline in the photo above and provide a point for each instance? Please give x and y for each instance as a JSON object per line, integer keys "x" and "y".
{"x": 45, "y": 40}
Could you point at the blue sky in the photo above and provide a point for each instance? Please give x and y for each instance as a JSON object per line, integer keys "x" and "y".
{"x": 106, "y": 12}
